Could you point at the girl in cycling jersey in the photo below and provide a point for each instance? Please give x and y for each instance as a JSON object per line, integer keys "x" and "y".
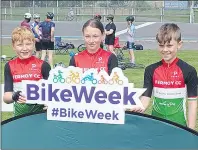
{"x": 94, "y": 56}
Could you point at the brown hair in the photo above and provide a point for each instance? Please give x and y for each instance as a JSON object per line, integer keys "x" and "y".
{"x": 94, "y": 24}
{"x": 22, "y": 33}
{"x": 167, "y": 32}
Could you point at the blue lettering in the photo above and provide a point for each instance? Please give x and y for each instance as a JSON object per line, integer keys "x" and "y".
{"x": 128, "y": 97}
{"x": 65, "y": 94}
{"x": 108, "y": 116}
{"x": 83, "y": 91}
{"x": 32, "y": 89}
{"x": 100, "y": 97}
{"x": 90, "y": 113}
{"x": 52, "y": 94}
{"x": 115, "y": 116}
{"x": 80, "y": 114}
{"x": 114, "y": 95}
{"x": 100, "y": 115}
{"x": 63, "y": 112}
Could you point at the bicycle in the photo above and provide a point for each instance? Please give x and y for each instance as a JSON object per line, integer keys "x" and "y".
{"x": 5, "y": 59}
{"x": 102, "y": 80}
{"x": 59, "y": 77}
{"x": 89, "y": 78}
{"x": 74, "y": 77}
{"x": 81, "y": 47}
{"x": 115, "y": 79}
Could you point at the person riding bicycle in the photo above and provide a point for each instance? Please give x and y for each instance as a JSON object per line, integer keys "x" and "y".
{"x": 26, "y": 21}
{"x": 38, "y": 44}
{"x": 130, "y": 38}
{"x": 94, "y": 56}
{"x": 115, "y": 76}
{"x": 23, "y": 67}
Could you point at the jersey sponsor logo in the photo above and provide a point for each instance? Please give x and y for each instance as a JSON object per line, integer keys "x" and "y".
{"x": 175, "y": 74}
{"x": 159, "y": 82}
{"x": 100, "y": 61}
{"x": 34, "y": 67}
{"x": 26, "y": 76}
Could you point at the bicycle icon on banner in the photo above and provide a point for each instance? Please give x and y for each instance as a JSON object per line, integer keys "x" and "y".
{"x": 115, "y": 79}
{"x": 89, "y": 78}
{"x": 73, "y": 77}
{"x": 59, "y": 77}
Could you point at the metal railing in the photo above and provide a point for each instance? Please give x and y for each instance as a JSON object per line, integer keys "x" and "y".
{"x": 82, "y": 14}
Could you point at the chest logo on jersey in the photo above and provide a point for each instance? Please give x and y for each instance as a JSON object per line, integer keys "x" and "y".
{"x": 160, "y": 82}
{"x": 34, "y": 67}
{"x": 100, "y": 61}
{"x": 26, "y": 76}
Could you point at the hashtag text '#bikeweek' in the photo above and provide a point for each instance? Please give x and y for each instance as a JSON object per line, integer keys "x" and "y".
{"x": 83, "y": 114}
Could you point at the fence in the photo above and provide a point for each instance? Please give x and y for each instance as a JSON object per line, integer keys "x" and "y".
{"x": 141, "y": 14}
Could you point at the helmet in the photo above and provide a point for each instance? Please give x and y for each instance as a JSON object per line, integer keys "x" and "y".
{"x": 97, "y": 16}
{"x": 36, "y": 16}
{"x": 27, "y": 16}
{"x": 50, "y": 15}
{"x": 110, "y": 17}
{"x": 130, "y": 18}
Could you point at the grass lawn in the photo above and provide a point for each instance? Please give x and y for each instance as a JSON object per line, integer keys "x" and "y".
{"x": 135, "y": 76}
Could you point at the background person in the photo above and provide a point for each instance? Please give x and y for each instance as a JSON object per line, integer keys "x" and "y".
{"x": 47, "y": 38}
{"x": 94, "y": 56}
{"x": 24, "y": 67}
{"x": 38, "y": 44}
{"x": 26, "y": 21}
{"x": 130, "y": 38}
{"x": 110, "y": 30}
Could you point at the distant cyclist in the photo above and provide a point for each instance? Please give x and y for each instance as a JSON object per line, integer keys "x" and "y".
{"x": 47, "y": 38}
{"x": 99, "y": 17}
{"x": 130, "y": 38}
{"x": 110, "y": 30}
{"x": 38, "y": 44}
{"x": 26, "y": 21}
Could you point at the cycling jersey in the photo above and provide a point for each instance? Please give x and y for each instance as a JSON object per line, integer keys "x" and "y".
{"x": 101, "y": 60}
{"x": 46, "y": 29}
{"x": 170, "y": 84}
{"x": 25, "y": 24}
{"x": 130, "y": 33}
{"x": 33, "y": 25}
{"x": 28, "y": 69}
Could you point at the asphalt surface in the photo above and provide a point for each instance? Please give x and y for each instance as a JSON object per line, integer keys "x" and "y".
{"x": 145, "y": 35}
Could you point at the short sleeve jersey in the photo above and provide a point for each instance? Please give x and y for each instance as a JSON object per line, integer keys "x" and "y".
{"x": 170, "y": 85}
{"x": 110, "y": 26}
{"x": 28, "y": 69}
{"x": 46, "y": 29}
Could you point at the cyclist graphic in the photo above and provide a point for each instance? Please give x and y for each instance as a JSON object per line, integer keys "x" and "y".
{"x": 115, "y": 79}
{"x": 59, "y": 77}
{"x": 89, "y": 78}
{"x": 73, "y": 77}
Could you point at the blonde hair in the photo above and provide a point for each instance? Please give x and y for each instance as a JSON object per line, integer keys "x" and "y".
{"x": 167, "y": 32}
{"x": 22, "y": 33}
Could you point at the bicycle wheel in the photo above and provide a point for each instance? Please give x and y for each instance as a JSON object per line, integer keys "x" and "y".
{"x": 77, "y": 80}
{"x": 94, "y": 81}
{"x": 68, "y": 80}
{"x": 111, "y": 82}
{"x": 120, "y": 82}
{"x": 81, "y": 47}
{"x": 83, "y": 81}
{"x": 62, "y": 80}
{"x": 55, "y": 80}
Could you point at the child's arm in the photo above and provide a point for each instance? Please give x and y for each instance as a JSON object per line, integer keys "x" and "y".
{"x": 192, "y": 113}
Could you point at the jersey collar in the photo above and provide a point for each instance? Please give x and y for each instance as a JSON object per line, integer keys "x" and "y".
{"x": 92, "y": 54}
{"x": 170, "y": 64}
{"x": 25, "y": 60}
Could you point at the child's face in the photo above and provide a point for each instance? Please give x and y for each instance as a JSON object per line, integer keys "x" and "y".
{"x": 168, "y": 51}
{"x": 23, "y": 48}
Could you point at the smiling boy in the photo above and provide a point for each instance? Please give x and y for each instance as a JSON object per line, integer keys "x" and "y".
{"x": 171, "y": 81}
{"x": 24, "y": 67}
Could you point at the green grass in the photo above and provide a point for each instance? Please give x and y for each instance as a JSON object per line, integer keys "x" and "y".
{"x": 135, "y": 76}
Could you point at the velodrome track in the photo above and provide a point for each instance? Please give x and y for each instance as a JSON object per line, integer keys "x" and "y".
{"x": 145, "y": 35}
